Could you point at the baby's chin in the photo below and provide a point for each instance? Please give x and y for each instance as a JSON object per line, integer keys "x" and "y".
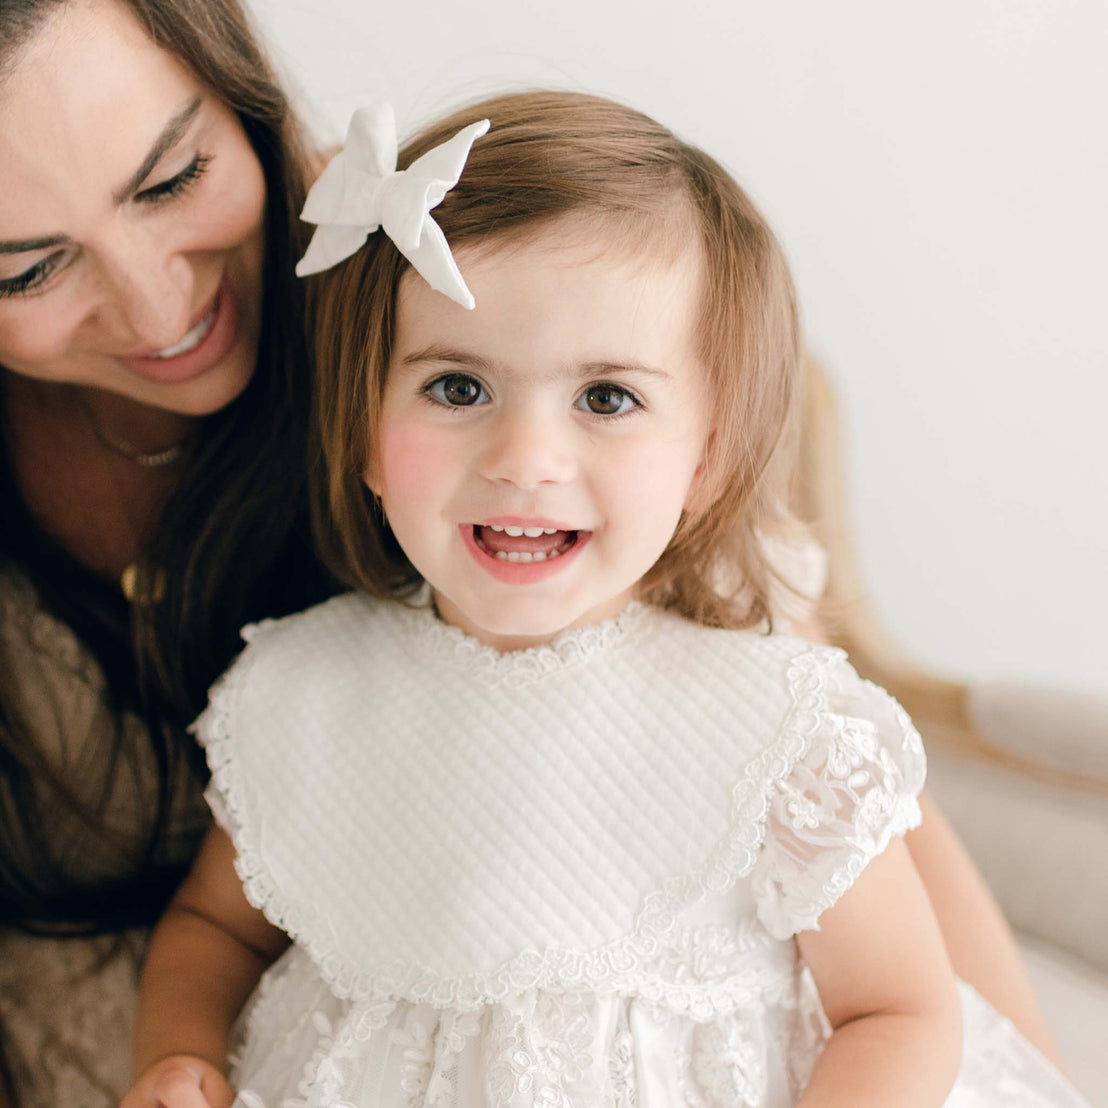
{"x": 520, "y": 626}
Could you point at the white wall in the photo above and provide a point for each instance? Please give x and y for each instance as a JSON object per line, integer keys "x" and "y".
{"x": 939, "y": 176}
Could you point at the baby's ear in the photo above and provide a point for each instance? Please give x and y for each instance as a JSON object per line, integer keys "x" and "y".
{"x": 699, "y": 496}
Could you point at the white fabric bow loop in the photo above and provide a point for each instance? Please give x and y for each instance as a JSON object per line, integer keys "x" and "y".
{"x": 361, "y": 190}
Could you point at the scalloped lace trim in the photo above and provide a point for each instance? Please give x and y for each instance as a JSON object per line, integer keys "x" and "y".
{"x": 433, "y": 638}
{"x": 620, "y": 966}
{"x": 419, "y": 627}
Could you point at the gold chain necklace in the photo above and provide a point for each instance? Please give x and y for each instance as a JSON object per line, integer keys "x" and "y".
{"x": 153, "y": 459}
{"x": 139, "y": 582}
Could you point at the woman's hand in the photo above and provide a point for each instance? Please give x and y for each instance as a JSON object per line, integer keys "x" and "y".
{"x": 180, "y": 1081}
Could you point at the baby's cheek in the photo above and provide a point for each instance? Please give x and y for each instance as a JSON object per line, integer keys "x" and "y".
{"x": 412, "y": 462}
{"x": 654, "y": 481}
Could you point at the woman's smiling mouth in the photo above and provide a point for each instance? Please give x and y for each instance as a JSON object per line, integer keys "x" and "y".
{"x": 191, "y": 340}
{"x": 203, "y": 346}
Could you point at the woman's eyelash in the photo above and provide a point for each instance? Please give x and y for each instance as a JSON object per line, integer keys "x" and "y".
{"x": 177, "y": 184}
{"x": 25, "y": 282}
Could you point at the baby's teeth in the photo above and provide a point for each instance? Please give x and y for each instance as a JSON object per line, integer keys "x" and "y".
{"x": 538, "y": 556}
{"x": 530, "y": 532}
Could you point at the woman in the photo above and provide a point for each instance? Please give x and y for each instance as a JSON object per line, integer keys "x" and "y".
{"x": 152, "y": 410}
{"x": 153, "y": 403}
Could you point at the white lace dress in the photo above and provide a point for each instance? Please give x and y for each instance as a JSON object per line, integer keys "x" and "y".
{"x": 569, "y": 876}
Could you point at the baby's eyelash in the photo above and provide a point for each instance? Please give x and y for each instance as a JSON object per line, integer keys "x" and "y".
{"x": 434, "y": 391}
{"x": 611, "y": 387}
{"x": 177, "y": 184}
{"x": 31, "y": 278}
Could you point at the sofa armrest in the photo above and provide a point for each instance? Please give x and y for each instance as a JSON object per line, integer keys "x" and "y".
{"x": 1059, "y": 729}
{"x": 1074, "y": 1000}
{"x": 1041, "y": 848}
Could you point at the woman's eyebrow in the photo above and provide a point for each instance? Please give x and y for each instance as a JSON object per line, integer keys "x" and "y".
{"x": 25, "y": 246}
{"x": 170, "y": 136}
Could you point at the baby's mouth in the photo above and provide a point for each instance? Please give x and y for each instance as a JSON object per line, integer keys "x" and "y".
{"x": 523, "y": 544}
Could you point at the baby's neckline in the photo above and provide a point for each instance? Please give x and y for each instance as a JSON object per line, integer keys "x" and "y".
{"x": 443, "y": 642}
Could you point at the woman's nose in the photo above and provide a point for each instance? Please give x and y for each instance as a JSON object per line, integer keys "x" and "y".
{"x": 529, "y": 449}
{"x": 149, "y": 295}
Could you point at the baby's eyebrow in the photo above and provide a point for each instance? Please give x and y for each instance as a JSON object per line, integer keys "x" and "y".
{"x": 602, "y": 369}
{"x": 437, "y": 353}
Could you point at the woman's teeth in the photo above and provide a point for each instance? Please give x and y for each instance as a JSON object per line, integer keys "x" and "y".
{"x": 191, "y": 340}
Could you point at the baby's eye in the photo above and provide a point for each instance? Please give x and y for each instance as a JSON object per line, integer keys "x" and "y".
{"x": 457, "y": 390}
{"x": 607, "y": 400}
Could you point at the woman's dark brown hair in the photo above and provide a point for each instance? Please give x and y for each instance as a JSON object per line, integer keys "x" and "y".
{"x": 232, "y": 544}
{"x": 546, "y": 156}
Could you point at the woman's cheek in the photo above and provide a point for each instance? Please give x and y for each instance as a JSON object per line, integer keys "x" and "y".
{"x": 36, "y": 332}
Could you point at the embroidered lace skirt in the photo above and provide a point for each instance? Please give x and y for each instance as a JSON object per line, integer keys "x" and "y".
{"x": 305, "y": 1048}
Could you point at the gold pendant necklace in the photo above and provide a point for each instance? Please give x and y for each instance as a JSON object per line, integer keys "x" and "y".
{"x": 141, "y": 584}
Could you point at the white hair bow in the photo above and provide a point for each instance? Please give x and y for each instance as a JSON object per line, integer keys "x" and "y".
{"x": 361, "y": 190}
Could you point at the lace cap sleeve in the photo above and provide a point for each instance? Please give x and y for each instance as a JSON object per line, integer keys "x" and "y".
{"x": 853, "y": 788}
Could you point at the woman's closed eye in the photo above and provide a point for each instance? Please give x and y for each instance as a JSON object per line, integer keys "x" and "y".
{"x": 177, "y": 184}
{"x": 42, "y": 271}
{"x": 607, "y": 400}
{"x": 31, "y": 278}
{"x": 456, "y": 390}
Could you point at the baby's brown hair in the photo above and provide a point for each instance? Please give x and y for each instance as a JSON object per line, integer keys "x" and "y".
{"x": 547, "y": 155}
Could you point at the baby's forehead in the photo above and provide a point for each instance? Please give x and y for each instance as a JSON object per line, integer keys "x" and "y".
{"x": 668, "y": 238}
{"x": 551, "y": 308}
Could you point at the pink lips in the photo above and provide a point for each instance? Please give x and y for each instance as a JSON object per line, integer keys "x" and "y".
{"x": 211, "y": 349}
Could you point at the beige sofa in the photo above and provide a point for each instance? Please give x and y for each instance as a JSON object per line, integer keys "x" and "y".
{"x": 1020, "y": 771}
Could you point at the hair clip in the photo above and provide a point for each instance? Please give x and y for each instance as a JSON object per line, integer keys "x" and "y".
{"x": 361, "y": 191}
